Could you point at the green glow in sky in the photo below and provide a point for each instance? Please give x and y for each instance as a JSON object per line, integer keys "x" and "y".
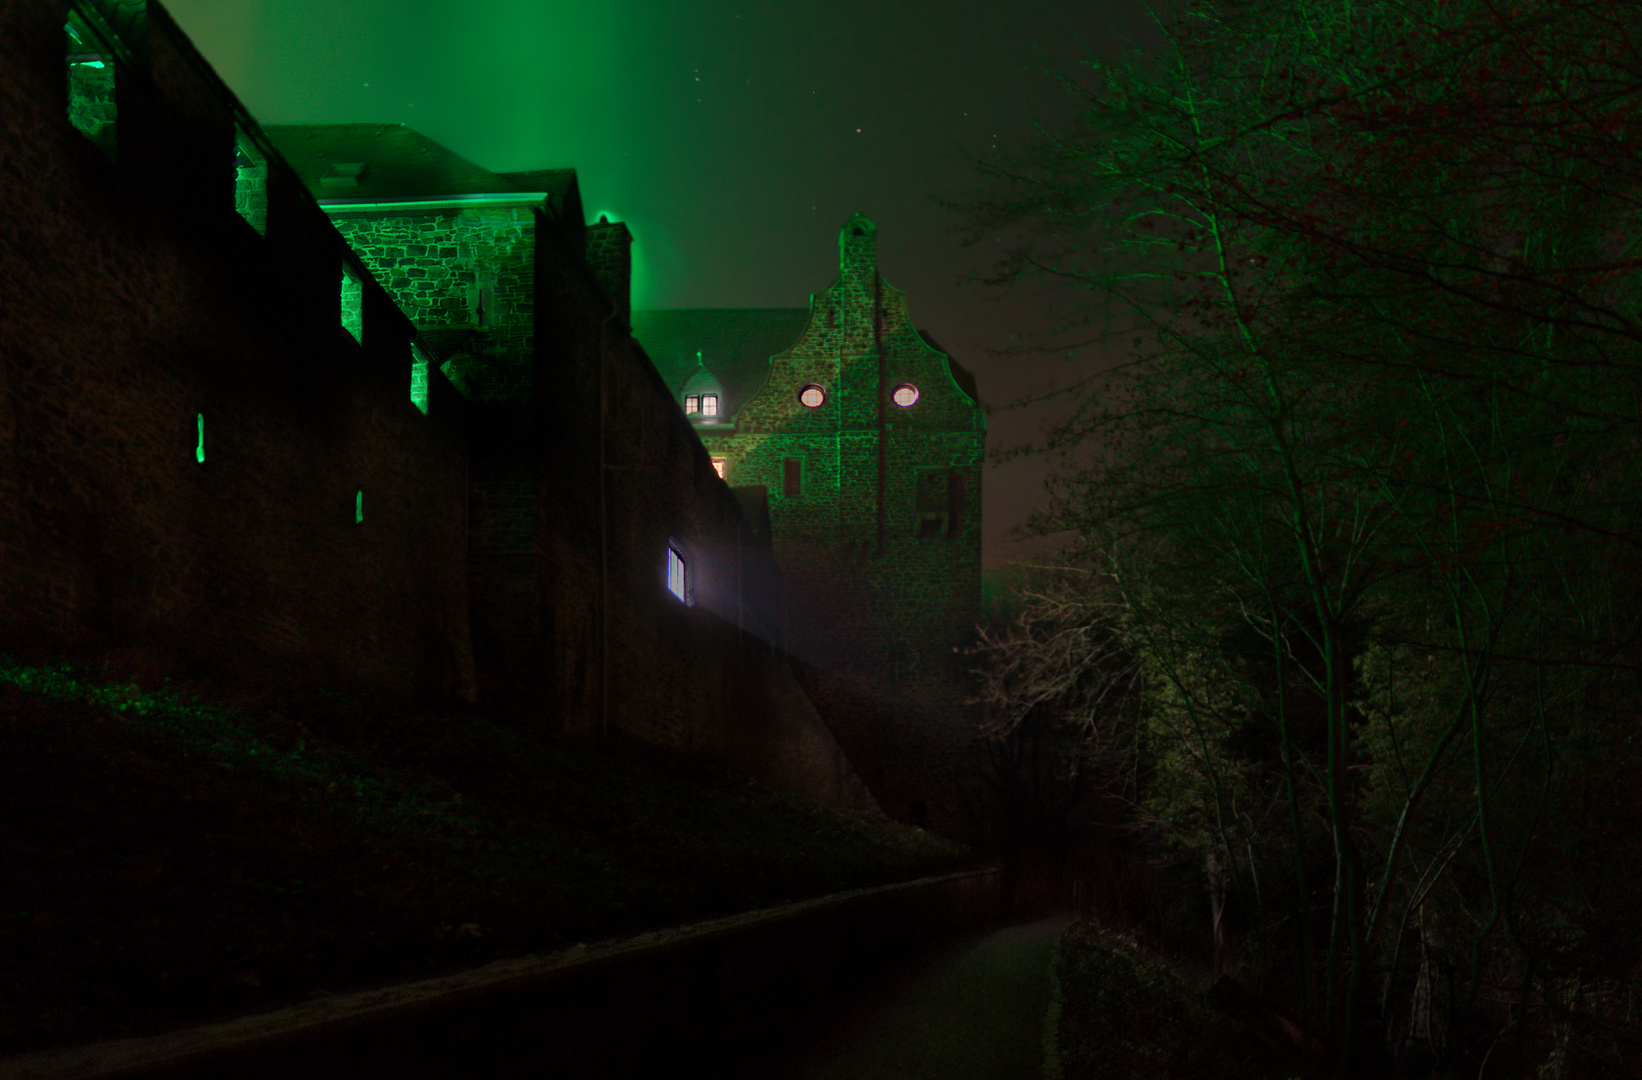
{"x": 511, "y": 84}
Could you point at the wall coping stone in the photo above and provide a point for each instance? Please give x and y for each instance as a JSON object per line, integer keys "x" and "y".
{"x": 220, "y": 1045}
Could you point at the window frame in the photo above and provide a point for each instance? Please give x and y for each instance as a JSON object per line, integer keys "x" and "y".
{"x": 678, "y": 555}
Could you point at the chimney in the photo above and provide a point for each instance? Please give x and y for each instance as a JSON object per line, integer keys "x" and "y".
{"x": 858, "y": 249}
{"x": 610, "y": 254}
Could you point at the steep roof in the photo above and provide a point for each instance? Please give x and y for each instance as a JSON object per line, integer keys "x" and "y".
{"x": 735, "y": 345}
{"x": 400, "y": 163}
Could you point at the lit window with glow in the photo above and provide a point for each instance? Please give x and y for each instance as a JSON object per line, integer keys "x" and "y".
{"x": 678, "y": 572}
{"x": 419, "y": 378}
{"x": 906, "y": 395}
{"x": 199, "y": 448}
{"x": 709, "y": 404}
{"x": 359, "y": 508}
{"x": 353, "y": 304}
{"x": 718, "y": 467}
{"x": 90, "y": 84}
{"x": 812, "y": 396}
{"x": 692, "y": 403}
{"x": 250, "y": 182}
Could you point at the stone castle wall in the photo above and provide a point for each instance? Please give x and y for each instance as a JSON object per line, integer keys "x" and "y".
{"x": 200, "y": 461}
{"x": 187, "y": 432}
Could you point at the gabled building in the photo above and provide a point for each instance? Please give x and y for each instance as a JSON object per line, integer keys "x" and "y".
{"x": 865, "y": 440}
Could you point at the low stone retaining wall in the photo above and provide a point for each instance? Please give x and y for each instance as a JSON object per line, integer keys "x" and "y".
{"x": 692, "y": 999}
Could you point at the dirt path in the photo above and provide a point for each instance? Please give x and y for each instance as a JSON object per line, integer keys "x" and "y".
{"x": 974, "y": 1011}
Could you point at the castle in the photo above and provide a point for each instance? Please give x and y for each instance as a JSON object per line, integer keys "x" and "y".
{"x": 330, "y": 402}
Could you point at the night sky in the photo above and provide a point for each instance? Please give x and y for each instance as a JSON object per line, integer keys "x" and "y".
{"x": 733, "y": 137}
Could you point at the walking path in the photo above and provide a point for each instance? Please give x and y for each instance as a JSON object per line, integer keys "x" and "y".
{"x": 974, "y": 1011}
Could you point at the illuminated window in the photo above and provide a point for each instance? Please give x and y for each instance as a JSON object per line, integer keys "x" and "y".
{"x": 692, "y": 403}
{"x": 250, "y": 182}
{"x": 792, "y": 477}
{"x": 359, "y": 508}
{"x": 419, "y": 378}
{"x": 90, "y": 84}
{"x": 199, "y": 448}
{"x": 906, "y": 395}
{"x": 709, "y": 404}
{"x": 678, "y": 572}
{"x": 812, "y": 396}
{"x": 353, "y": 304}
{"x": 718, "y": 467}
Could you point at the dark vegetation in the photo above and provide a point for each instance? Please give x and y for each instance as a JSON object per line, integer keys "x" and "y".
{"x": 1348, "y": 627}
{"x": 175, "y": 854}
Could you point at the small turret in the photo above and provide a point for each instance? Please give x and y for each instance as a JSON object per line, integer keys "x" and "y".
{"x": 703, "y": 396}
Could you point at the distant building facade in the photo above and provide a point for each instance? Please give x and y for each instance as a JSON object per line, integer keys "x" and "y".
{"x": 866, "y": 442}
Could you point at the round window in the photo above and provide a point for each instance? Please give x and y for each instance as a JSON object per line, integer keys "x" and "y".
{"x": 812, "y": 396}
{"x": 906, "y": 395}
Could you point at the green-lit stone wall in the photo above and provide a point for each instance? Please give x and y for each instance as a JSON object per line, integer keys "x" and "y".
{"x": 469, "y": 268}
{"x": 880, "y": 620}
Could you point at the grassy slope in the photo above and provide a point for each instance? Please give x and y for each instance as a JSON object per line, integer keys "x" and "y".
{"x": 1127, "y": 1013}
{"x": 167, "y": 860}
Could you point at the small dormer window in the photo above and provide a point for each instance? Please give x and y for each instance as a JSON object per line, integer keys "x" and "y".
{"x": 906, "y": 395}
{"x": 701, "y": 393}
{"x": 812, "y": 396}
